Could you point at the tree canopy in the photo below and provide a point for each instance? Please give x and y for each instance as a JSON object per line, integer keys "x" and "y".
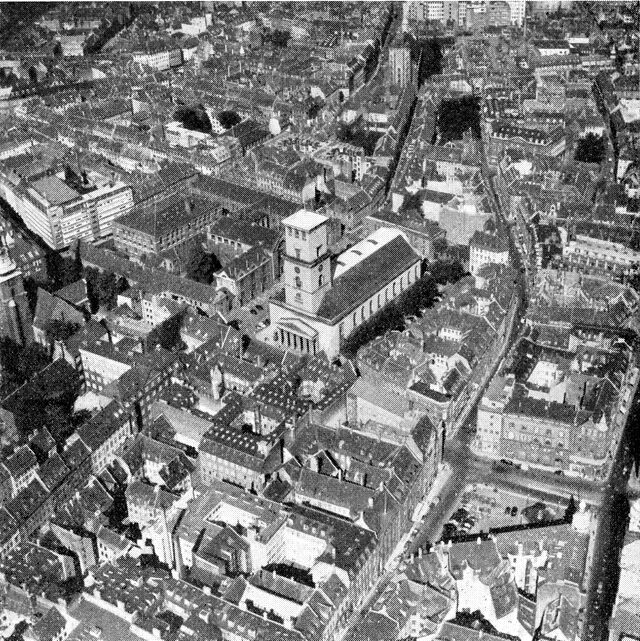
{"x": 229, "y": 118}
{"x": 103, "y": 288}
{"x": 18, "y": 363}
{"x": 457, "y": 116}
{"x": 279, "y": 38}
{"x": 356, "y": 134}
{"x": 590, "y": 149}
{"x": 200, "y": 265}
{"x": 194, "y": 118}
{"x": 391, "y": 317}
{"x": 446, "y": 271}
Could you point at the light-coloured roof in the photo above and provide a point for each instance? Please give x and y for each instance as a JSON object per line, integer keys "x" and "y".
{"x": 305, "y": 220}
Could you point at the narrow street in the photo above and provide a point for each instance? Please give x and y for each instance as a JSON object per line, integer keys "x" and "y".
{"x": 612, "y": 525}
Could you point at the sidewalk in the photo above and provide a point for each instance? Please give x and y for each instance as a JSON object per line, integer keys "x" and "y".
{"x": 442, "y": 478}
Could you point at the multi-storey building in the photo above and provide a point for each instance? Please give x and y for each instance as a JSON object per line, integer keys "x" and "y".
{"x": 149, "y": 231}
{"x": 161, "y": 58}
{"x": 593, "y": 255}
{"x": 487, "y": 248}
{"x": 15, "y": 316}
{"x": 60, "y": 210}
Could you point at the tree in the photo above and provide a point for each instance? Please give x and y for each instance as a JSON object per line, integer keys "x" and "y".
{"x": 62, "y": 270}
{"x": 446, "y": 271}
{"x": 591, "y": 148}
{"x": 19, "y": 363}
{"x": 355, "y": 134}
{"x": 280, "y": 38}
{"x": 167, "y": 334}
{"x": 387, "y": 319}
{"x": 229, "y": 119}
{"x": 412, "y": 202}
{"x": 201, "y": 265}
{"x": 420, "y": 295}
{"x": 102, "y": 289}
{"x": 194, "y": 118}
{"x": 455, "y": 117}
{"x": 440, "y": 247}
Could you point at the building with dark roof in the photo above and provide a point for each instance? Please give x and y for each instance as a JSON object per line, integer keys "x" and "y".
{"x": 170, "y": 225}
{"x": 324, "y": 302}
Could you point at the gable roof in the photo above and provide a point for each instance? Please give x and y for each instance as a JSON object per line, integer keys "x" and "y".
{"x": 366, "y": 278}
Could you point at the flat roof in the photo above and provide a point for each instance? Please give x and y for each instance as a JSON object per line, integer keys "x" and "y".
{"x": 55, "y": 190}
{"x": 305, "y": 220}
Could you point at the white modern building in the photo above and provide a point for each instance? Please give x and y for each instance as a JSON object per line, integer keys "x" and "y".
{"x": 61, "y": 213}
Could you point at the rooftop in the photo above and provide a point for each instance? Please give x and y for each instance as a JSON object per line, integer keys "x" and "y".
{"x": 305, "y": 220}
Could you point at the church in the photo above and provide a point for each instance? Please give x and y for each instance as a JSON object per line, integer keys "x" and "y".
{"x": 15, "y": 317}
{"x": 325, "y": 299}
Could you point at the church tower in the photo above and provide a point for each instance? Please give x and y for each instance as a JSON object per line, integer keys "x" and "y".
{"x": 15, "y": 317}
{"x": 307, "y": 269}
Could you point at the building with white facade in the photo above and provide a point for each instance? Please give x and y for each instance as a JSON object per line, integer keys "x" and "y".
{"x": 60, "y": 212}
{"x": 594, "y": 254}
{"x": 325, "y": 300}
{"x": 487, "y": 248}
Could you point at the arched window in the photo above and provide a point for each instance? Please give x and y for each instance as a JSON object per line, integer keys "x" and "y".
{"x": 320, "y": 280}
{"x": 298, "y": 282}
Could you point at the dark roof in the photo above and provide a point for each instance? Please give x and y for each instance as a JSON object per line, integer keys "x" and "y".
{"x": 170, "y": 215}
{"x": 489, "y": 242}
{"x": 75, "y": 293}
{"x": 367, "y": 277}
{"x": 50, "y": 306}
{"x": 244, "y": 232}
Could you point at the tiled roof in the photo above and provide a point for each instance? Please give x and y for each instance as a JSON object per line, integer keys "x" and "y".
{"x": 244, "y": 232}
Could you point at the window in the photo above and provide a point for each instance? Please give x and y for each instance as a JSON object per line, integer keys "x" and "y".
{"x": 298, "y": 282}
{"x": 297, "y": 254}
{"x": 297, "y": 234}
{"x": 320, "y": 280}
{"x": 318, "y": 250}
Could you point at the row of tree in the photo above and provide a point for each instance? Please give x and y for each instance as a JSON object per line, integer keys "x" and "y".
{"x": 422, "y": 294}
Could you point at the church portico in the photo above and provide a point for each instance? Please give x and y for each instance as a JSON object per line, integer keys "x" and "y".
{"x": 326, "y": 298}
{"x": 296, "y": 335}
